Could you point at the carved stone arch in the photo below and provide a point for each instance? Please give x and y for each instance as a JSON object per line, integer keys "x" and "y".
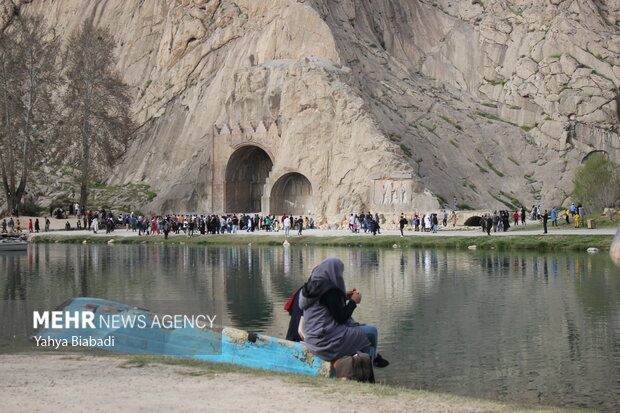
{"x": 259, "y": 145}
{"x": 291, "y": 194}
{"x": 246, "y": 173}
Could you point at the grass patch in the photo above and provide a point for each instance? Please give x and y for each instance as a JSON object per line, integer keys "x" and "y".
{"x": 528, "y": 178}
{"x": 495, "y": 82}
{"x": 132, "y": 364}
{"x": 481, "y": 169}
{"x": 531, "y": 242}
{"x": 493, "y": 117}
{"x": 451, "y": 122}
{"x": 514, "y": 201}
{"x": 494, "y": 169}
{"x": 508, "y": 204}
{"x": 405, "y": 150}
{"x": 510, "y": 158}
{"x": 430, "y": 129}
{"x": 471, "y": 186}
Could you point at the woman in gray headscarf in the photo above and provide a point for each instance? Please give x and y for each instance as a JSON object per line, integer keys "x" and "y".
{"x": 329, "y": 330}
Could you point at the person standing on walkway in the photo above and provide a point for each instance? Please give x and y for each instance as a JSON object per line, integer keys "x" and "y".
{"x": 300, "y": 225}
{"x": 402, "y": 222}
{"x": 4, "y": 224}
{"x": 37, "y": 226}
{"x": 582, "y": 215}
{"x": 166, "y": 229}
{"x": 576, "y": 218}
{"x": 287, "y": 225}
{"x": 523, "y": 212}
{"x": 374, "y": 226}
{"x": 554, "y": 217}
{"x": 545, "y": 218}
{"x": 235, "y": 224}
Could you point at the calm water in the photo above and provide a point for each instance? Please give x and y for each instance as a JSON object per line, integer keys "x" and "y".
{"x": 522, "y": 327}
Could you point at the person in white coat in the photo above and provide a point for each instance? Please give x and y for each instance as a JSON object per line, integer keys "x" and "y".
{"x": 427, "y": 223}
{"x": 287, "y": 225}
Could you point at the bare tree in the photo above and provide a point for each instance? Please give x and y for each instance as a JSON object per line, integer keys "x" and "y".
{"x": 28, "y": 76}
{"x": 97, "y": 103}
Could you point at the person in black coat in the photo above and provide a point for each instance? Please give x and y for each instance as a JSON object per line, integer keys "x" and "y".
{"x": 402, "y": 222}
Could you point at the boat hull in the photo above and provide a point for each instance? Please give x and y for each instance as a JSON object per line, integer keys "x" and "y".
{"x": 230, "y": 346}
{"x": 13, "y": 246}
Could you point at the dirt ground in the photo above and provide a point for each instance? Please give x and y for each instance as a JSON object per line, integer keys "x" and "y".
{"x": 75, "y": 383}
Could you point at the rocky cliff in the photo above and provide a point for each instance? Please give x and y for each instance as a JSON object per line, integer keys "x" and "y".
{"x": 341, "y": 105}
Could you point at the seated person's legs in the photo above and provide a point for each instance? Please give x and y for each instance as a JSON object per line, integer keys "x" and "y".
{"x": 371, "y": 332}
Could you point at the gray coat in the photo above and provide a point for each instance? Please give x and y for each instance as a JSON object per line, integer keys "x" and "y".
{"x": 323, "y": 335}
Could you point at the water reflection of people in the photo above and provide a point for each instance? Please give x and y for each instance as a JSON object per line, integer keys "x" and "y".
{"x": 329, "y": 331}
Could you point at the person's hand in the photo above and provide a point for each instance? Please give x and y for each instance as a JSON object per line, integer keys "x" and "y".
{"x": 348, "y": 294}
{"x": 356, "y": 297}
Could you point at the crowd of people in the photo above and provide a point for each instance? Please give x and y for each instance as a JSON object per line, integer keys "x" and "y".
{"x": 370, "y": 223}
{"x": 233, "y": 223}
{"x": 192, "y": 224}
{"x": 15, "y": 225}
{"x": 500, "y": 221}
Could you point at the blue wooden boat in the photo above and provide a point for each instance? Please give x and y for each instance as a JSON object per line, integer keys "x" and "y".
{"x": 231, "y": 345}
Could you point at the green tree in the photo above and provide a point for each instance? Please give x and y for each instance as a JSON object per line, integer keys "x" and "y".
{"x": 597, "y": 182}
{"x": 29, "y": 53}
{"x": 97, "y": 104}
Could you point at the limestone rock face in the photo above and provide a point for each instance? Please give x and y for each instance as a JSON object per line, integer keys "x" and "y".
{"x": 342, "y": 106}
{"x": 6, "y": 12}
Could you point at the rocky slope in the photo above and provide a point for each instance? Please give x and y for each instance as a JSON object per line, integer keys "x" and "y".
{"x": 495, "y": 102}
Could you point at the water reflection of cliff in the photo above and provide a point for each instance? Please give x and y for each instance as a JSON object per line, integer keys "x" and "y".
{"x": 509, "y": 321}
{"x": 265, "y": 277}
